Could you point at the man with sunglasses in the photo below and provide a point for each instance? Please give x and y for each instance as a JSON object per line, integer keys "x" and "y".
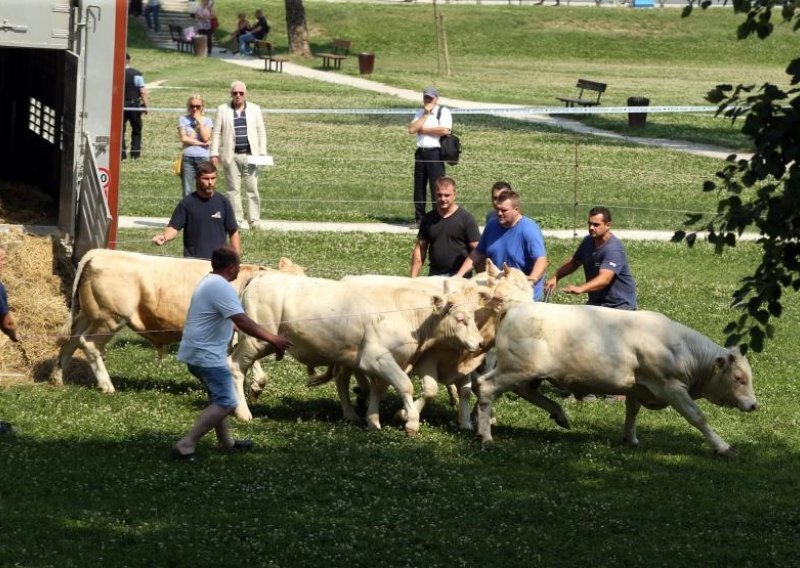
{"x": 238, "y": 135}
{"x": 609, "y": 281}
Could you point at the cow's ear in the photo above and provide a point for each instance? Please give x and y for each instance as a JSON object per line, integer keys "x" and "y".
{"x": 484, "y": 297}
{"x": 447, "y": 287}
{"x": 439, "y": 303}
{"x": 506, "y": 269}
{"x": 721, "y": 363}
{"x": 491, "y": 269}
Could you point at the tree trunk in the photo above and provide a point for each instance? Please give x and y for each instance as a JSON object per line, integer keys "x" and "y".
{"x": 296, "y": 27}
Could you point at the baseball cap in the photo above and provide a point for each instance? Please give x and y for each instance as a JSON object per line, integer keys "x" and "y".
{"x": 430, "y": 92}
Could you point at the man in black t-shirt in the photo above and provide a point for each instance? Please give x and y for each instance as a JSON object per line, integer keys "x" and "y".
{"x": 205, "y": 216}
{"x": 447, "y": 234}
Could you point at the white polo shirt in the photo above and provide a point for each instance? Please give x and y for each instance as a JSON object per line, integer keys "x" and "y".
{"x": 426, "y": 141}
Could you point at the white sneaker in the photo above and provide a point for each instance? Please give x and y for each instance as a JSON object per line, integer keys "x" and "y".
{"x": 257, "y": 225}
{"x": 242, "y": 225}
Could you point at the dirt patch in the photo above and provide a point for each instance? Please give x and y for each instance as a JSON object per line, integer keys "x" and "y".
{"x": 37, "y": 305}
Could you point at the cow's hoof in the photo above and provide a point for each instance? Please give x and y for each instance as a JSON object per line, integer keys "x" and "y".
{"x": 630, "y": 443}
{"x": 411, "y": 433}
{"x": 561, "y": 420}
{"x": 107, "y": 389}
{"x": 729, "y": 453}
{"x": 243, "y": 415}
{"x": 56, "y": 381}
{"x": 487, "y": 442}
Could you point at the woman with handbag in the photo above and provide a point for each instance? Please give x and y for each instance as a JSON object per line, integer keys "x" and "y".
{"x": 194, "y": 131}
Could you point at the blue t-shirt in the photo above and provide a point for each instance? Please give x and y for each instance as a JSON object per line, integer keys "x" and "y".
{"x": 518, "y": 246}
{"x": 621, "y": 293}
{"x": 208, "y": 328}
{"x": 3, "y": 301}
{"x": 206, "y": 223}
{"x": 186, "y": 124}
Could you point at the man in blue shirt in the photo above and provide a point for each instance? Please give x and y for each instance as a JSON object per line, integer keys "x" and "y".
{"x": 213, "y": 311}
{"x": 513, "y": 239}
{"x": 609, "y": 281}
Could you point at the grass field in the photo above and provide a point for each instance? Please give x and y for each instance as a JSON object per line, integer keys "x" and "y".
{"x": 88, "y": 481}
{"x": 359, "y": 168}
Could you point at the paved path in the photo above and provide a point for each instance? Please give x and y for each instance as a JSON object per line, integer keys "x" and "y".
{"x": 415, "y": 97}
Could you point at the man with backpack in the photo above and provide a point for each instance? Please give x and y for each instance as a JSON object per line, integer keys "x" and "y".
{"x": 430, "y": 123}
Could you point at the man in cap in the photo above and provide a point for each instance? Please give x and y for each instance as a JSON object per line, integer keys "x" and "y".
{"x": 429, "y": 124}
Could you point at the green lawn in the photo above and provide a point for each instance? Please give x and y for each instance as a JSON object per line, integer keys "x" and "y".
{"x": 359, "y": 167}
{"x": 88, "y": 481}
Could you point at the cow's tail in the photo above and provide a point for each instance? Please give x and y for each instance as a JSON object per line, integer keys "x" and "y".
{"x": 318, "y": 380}
{"x": 74, "y": 300}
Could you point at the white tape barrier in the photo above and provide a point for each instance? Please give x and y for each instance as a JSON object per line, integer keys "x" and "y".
{"x": 485, "y": 110}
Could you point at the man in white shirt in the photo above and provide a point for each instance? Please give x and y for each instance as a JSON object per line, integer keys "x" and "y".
{"x": 213, "y": 311}
{"x": 430, "y": 123}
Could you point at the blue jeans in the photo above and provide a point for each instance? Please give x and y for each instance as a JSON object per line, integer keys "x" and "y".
{"x": 154, "y": 10}
{"x": 189, "y": 172}
{"x": 244, "y": 39}
{"x": 219, "y": 384}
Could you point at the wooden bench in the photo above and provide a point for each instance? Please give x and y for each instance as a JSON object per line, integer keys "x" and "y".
{"x": 181, "y": 44}
{"x": 340, "y": 49}
{"x": 264, "y": 50}
{"x": 585, "y": 85}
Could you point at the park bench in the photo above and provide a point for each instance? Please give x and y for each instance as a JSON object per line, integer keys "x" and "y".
{"x": 181, "y": 43}
{"x": 585, "y": 85}
{"x": 340, "y": 49}
{"x": 264, "y": 50}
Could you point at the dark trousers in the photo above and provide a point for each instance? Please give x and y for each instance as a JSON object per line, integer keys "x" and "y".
{"x": 428, "y": 167}
{"x": 135, "y": 118}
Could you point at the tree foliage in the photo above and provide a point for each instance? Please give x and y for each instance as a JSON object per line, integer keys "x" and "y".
{"x": 763, "y": 191}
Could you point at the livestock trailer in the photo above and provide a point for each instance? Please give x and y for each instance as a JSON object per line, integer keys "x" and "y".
{"x": 62, "y": 65}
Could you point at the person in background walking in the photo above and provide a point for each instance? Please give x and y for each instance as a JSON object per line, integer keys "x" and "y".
{"x": 240, "y": 133}
{"x": 135, "y": 96}
{"x": 429, "y": 124}
{"x": 213, "y": 311}
{"x": 205, "y": 216}
{"x": 194, "y": 130}
{"x": 151, "y": 14}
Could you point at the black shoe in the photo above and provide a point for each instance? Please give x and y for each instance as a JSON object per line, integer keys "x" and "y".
{"x": 176, "y": 455}
{"x": 242, "y": 445}
{"x": 7, "y": 428}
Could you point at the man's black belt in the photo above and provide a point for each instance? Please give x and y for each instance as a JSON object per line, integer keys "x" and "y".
{"x": 420, "y": 149}
{"x": 241, "y": 152}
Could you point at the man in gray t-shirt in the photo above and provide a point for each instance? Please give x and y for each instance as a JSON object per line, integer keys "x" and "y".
{"x": 609, "y": 281}
{"x": 213, "y": 311}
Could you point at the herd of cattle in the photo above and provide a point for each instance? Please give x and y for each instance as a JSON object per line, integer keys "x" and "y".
{"x": 384, "y": 329}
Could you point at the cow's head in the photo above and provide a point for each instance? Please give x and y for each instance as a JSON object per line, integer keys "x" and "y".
{"x": 732, "y": 382}
{"x": 453, "y": 322}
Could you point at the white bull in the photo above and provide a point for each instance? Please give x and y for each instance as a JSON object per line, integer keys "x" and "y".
{"x": 452, "y": 368}
{"x": 373, "y": 329}
{"x": 149, "y": 294}
{"x": 649, "y": 358}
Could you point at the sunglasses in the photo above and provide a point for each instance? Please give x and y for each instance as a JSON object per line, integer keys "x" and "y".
{"x": 195, "y": 106}
{"x": 234, "y": 93}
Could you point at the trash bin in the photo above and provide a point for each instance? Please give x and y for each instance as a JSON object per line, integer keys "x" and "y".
{"x": 366, "y": 62}
{"x": 200, "y": 45}
{"x": 637, "y": 119}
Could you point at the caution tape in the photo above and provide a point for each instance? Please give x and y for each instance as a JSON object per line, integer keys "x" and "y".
{"x": 483, "y": 110}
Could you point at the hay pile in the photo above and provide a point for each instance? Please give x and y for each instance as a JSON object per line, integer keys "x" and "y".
{"x": 37, "y": 305}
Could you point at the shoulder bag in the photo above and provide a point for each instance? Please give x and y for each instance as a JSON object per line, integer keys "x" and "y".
{"x": 450, "y": 145}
